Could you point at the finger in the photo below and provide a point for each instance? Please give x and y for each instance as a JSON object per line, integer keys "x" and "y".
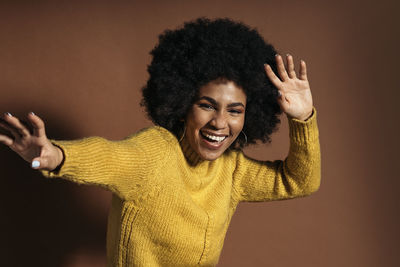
{"x": 9, "y": 130}
{"x": 290, "y": 64}
{"x": 303, "y": 70}
{"x": 4, "y": 139}
{"x": 16, "y": 124}
{"x": 10, "y": 123}
{"x": 272, "y": 76}
{"x": 5, "y": 125}
{"x": 27, "y": 125}
{"x": 41, "y": 163}
{"x": 37, "y": 124}
{"x": 281, "y": 68}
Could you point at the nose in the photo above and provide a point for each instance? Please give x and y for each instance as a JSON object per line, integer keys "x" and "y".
{"x": 219, "y": 121}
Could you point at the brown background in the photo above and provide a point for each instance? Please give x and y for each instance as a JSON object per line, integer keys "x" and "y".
{"x": 80, "y": 66}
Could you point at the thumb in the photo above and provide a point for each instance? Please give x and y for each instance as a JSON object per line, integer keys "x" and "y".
{"x": 49, "y": 160}
{"x": 283, "y": 102}
{"x": 39, "y": 163}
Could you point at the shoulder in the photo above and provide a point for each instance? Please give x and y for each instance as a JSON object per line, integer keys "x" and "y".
{"x": 242, "y": 162}
{"x": 153, "y": 134}
{"x": 150, "y": 138}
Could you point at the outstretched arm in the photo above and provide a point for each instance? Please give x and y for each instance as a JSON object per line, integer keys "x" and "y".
{"x": 123, "y": 167}
{"x": 33, "y": 146}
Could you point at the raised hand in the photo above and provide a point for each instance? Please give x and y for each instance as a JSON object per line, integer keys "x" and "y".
{"x": 34, "y": 147}
{"x": 295, "y": 94}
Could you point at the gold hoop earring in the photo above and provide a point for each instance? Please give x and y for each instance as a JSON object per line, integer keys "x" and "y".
{"x": 245, "y": 138}
{"x": 183, "y": 134}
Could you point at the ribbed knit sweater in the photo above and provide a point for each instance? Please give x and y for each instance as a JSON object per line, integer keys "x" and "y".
{"x": 170, "y": 208}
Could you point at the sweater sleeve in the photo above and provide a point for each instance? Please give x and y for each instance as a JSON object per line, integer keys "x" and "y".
{"x": 298, "y": 175}
{"x": 124, "y": 167}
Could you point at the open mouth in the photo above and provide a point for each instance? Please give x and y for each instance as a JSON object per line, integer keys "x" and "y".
{"x": 213, "y": 138}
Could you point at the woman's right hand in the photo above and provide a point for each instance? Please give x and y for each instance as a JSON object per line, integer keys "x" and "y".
{"x": 34, "y": 147}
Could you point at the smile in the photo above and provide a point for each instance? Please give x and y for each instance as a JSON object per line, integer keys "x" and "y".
{"x": 212, "y": 138}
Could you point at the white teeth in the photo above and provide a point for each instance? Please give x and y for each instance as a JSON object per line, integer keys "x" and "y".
{"x": 215, "y": 138}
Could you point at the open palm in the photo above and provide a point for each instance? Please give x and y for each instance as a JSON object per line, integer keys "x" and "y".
{"x": 295, "y": 94}
{"x": 34, "y": 147}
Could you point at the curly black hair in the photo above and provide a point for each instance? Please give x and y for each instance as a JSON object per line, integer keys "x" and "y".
{"x": 205, "y": 50}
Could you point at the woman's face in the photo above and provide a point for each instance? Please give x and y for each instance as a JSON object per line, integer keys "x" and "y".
{"x": 215, "y": 119}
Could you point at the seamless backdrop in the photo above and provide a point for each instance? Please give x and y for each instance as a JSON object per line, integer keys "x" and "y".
{"x": 80, "y": 65}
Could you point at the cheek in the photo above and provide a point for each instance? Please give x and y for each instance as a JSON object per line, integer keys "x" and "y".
{"x": 196, "y": 120}
{"x": 237, "y": 126}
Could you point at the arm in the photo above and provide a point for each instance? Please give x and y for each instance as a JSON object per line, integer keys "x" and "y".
{"x": 120, "y": 166}
{"x": 298, "y": 175}
{"x": 123, "y": 167}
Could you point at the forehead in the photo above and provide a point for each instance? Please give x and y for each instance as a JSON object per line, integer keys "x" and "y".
{"x": 223, "y": 91}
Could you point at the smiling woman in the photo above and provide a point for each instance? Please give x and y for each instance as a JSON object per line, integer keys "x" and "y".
{"x": 216, "y": 119}
{"x": 214, "y": 87}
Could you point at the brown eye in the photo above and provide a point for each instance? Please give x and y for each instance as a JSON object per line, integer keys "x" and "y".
{"x": 235, "y": 111}
{"x": 206, "y": 106}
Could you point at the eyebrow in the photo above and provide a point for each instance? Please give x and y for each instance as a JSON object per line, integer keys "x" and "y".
{"x": 212, "y": 101}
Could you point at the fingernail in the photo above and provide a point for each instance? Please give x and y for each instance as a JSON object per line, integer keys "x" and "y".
{"x": 276, "y": 55}
{"x": 288, "y": 55}
{"x": 35, "y": 164}
{"x": 32, "y": 113}
{"x": 8, "y": 114}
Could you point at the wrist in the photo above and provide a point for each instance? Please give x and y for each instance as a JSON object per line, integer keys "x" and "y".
{"x": 60, "y": 158}
{"x": 307, "y": 116}
{"x": 303, "y": 117}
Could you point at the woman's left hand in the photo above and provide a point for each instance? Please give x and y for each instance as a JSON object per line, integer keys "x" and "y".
{"x": 295, "y": 99}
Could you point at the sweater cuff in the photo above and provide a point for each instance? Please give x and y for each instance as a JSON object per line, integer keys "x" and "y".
{"x": 304, "y": 131}
{"x": 59, "y": 171}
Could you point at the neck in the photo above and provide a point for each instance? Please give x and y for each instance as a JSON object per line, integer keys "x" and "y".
{"x": 191, "y": 156}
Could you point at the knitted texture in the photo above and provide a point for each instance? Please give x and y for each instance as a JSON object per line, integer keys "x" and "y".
{"x": 170, "y": 208}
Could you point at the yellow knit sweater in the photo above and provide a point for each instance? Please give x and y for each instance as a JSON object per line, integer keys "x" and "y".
{"x": 169, "y": 208}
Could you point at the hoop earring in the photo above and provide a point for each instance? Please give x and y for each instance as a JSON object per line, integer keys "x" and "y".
{"x": 245, "y": 138}
{"x": 183, "y": 134}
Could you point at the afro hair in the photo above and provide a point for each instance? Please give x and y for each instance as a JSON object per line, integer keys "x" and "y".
{"x": 205, "y": 50}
